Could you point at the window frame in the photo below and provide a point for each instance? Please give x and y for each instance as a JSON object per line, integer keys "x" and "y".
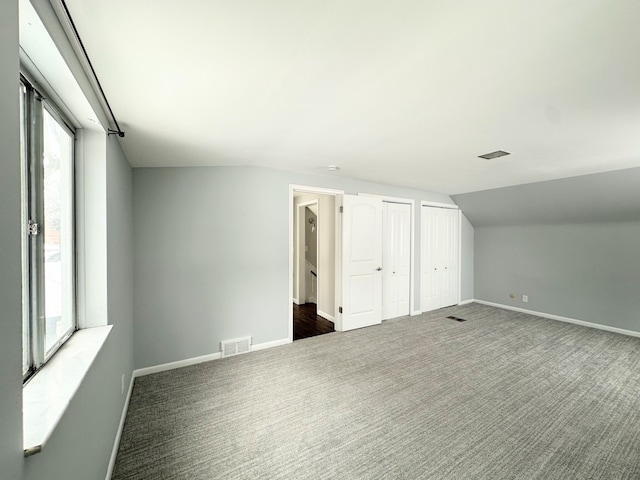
{"x": 34, "y": 104}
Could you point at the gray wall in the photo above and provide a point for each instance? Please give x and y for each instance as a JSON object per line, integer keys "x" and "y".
{"x": 11, "y": 459}
{"x": 81, "y": 444}
{"x": 571, "y": 245}
{"x": 198, "y": 277}
{"x": 588, "y": 272}
{"x": 467, "y": 260}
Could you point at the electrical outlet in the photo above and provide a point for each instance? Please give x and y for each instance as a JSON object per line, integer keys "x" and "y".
{"x": 122, "y": 385}
{"x": 525, "y": 298}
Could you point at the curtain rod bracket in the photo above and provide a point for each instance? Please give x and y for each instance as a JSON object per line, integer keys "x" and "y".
{"x": 120, "y": 133}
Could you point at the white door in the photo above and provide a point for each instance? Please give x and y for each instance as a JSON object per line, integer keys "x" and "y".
{"x": 396, "y": 259}
{"x": 361, "y": 262}
{"x": 439, "y": 265}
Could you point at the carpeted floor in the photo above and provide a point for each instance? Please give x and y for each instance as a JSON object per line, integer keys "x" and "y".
{"x": 500, "y": 396}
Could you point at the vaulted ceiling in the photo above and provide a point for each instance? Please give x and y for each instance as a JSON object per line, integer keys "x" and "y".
{"x": 398, "y": 92}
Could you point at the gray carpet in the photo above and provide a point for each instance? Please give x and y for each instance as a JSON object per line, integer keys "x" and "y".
{"x": 500, "y": 396}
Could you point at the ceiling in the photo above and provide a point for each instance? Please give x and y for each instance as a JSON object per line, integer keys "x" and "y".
{"x": 397, "y": 92}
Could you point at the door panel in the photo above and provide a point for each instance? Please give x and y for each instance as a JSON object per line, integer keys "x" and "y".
{"x": 362, "y": 257}
{"x": 439, "y": 264}
{"x": 396, "y": 260}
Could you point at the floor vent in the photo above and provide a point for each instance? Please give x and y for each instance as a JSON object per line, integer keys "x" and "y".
{"x": 229, "y": 348}
{"x": 457, "y": 319}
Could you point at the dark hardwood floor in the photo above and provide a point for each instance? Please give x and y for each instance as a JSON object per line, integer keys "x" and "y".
{"x": 307, "y": 322}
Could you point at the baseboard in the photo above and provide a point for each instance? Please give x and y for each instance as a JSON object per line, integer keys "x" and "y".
{"x": 467, "y": 302}
{"x": 416, "y": 312}
{"x": 204, "y": 358}
{"x": 141, "y": 372}
{"x": 550, "y": 316}
{"x": 327, "y": 316}
{"x": 275, "y": 343}
{"x": 116, "y": 443}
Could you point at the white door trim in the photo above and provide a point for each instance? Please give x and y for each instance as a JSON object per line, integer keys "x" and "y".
{"x": 321, "y": 191}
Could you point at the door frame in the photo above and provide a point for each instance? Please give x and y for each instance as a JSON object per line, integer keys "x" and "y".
{"x": 405, "y": 201}
{"x": 338, "y": 251}
{"x": 425, "y": 203}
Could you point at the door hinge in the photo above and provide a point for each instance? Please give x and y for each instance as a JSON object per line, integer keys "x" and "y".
{"x": 341, "y": 209}
{"x": 339, "y": 309}
{"x": 33, "y": 228}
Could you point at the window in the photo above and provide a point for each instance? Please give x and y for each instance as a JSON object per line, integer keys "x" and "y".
{"x": 47, "y": 149}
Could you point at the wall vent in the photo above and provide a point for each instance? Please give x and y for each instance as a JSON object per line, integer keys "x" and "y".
{"x": 236, "y": 346}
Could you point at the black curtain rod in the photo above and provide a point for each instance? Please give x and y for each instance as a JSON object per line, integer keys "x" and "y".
{"x": 119, "y": 132}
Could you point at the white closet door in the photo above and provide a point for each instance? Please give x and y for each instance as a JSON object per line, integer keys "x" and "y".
{"x": 396, "y": 259}
{"x": 439, "y": 258}
{"x": 361, "y": 262}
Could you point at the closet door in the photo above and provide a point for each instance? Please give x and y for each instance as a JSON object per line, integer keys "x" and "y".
{"x": 396, "y": 259}
{"x": 439, "y": 257}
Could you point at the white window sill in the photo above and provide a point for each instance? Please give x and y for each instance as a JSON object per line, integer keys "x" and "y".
{"x": 46, "y": 397}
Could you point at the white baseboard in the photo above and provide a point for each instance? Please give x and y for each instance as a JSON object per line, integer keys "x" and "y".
{"x": 550, "y": 316}
{"x": 116, "y": 443}
{"x": 201, "y": 359}
{"x": 416, "y": 312}
{"x": 467, "y": 302}
{"x": 295, "y": 300}
{"x": 141, "y": 372}
{"x": 326, "y": 315}
{"x": 275, "y": 343}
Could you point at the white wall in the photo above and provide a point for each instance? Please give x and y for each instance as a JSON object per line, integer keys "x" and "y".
{"x": 199, "y": 277}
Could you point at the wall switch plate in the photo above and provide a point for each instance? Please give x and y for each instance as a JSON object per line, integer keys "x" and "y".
{"x": 525, "y": 298}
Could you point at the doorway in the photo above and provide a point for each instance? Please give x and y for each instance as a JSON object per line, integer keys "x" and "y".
{"x": 313, "y": 254}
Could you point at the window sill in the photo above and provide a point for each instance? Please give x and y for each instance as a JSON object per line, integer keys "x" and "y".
{"x": 46, "y": 397}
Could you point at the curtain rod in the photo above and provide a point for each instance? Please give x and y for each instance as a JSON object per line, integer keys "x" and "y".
{"x": 118, "y": 131}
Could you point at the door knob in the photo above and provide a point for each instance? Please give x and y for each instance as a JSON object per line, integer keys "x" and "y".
{"x": 379, "y": 268}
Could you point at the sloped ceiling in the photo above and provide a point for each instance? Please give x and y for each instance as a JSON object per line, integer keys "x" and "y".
{"x": 401, "y": 92}
{"x": 596, "y": 198}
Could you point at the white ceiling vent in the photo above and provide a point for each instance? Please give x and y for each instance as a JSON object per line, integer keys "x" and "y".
{"x": 236, "y": 346}
{"x": 496, "y": 154}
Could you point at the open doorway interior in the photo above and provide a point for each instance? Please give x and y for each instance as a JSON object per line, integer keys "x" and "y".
{"x": 314, "y": 272}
